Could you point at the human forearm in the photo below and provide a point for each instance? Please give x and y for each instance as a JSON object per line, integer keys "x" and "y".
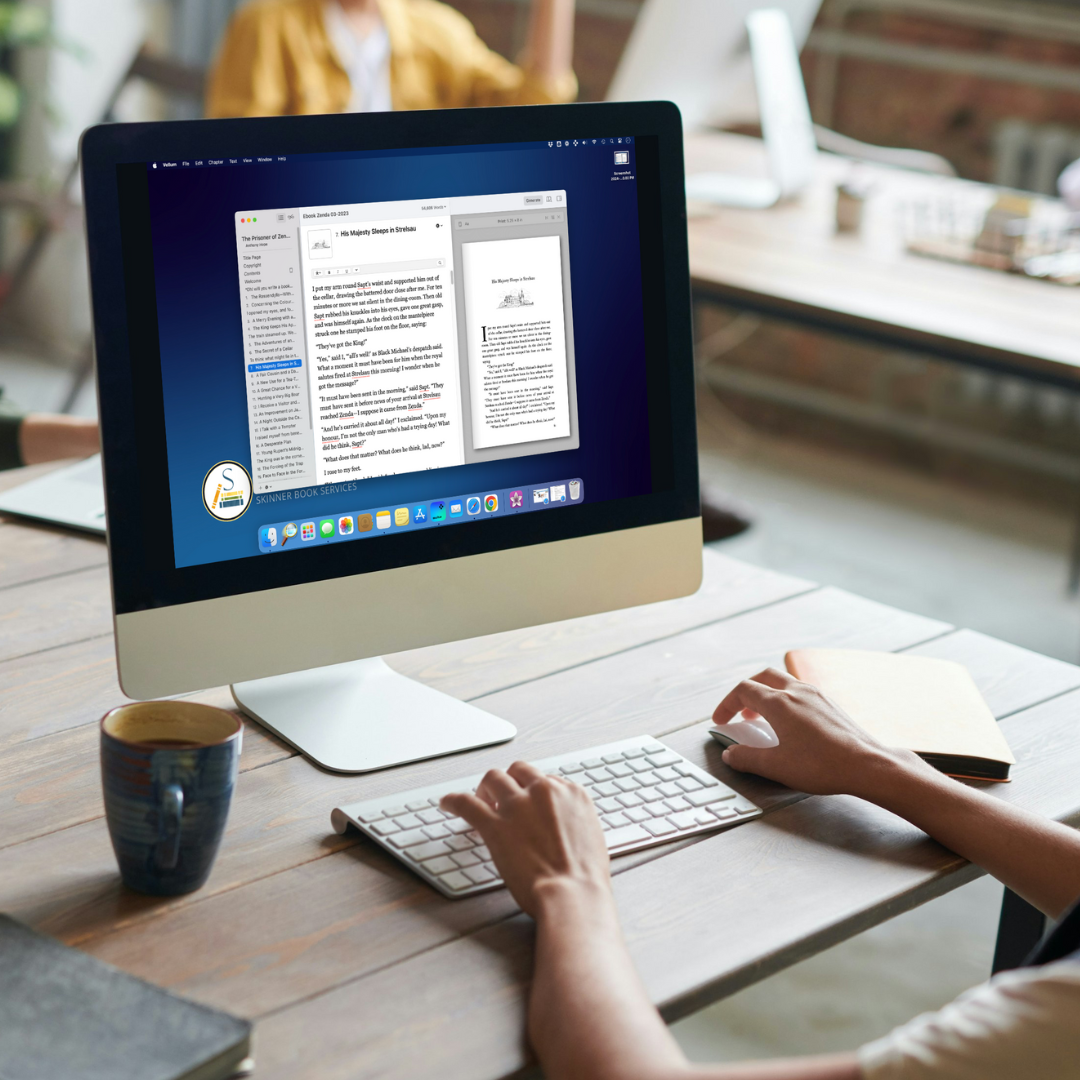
{"x": 1033, "y": 856}
{"x": 45, "y": 437}
{"x": 589, "y": 1015}
{"x": 550, "y": 47}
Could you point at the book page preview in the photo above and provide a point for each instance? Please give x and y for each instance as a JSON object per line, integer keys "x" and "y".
{"x": 515, "y": 329}
{"x": 381, "y": 330}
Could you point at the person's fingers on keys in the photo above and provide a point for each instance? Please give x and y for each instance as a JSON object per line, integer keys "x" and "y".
{"x": 497, "y": 787}
{"x": 749, "y": 694}
{"x": 524, "y": 773}
{"x": 469, "y": 808}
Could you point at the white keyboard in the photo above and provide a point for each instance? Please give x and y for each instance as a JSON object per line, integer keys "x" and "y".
{"x": 645, "y": 794}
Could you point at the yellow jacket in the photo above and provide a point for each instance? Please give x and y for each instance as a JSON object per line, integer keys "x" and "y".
{"x": 277, "y": 60}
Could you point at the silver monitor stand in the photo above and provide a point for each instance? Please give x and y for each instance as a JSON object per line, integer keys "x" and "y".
{"x": 363, "y": 715}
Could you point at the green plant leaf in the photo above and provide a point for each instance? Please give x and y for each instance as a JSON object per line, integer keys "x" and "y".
{"x": 10, "y": 101}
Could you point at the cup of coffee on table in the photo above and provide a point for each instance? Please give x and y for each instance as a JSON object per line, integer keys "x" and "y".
{"x": 168, "y": 769}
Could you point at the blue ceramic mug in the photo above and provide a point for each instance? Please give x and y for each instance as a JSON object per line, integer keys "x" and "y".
{"x": 168, "y": 769}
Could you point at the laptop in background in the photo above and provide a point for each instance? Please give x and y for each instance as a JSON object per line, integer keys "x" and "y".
{"x": 728, "y": 63}
{"x": 72, "y": 496}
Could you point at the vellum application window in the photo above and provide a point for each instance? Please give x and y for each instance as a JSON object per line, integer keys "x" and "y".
{"x": 385, "y": 338}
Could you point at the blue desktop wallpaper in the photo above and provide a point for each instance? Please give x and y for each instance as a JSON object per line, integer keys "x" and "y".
{"x": 201, "y": 342}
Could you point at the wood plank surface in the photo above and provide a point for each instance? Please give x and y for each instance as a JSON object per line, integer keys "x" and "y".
{"x": 352, "y": 965}
{"x": 791, "y": 259}
{"x": 55, "y": 611}
{"x": 658, "y": 691}
{"x": 33, "y": 552}
{"x": 789, "y": 885}
{"x": 478, "y": 666}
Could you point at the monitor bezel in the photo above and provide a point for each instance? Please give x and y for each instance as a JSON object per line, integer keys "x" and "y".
{"x": 144, "y": 575}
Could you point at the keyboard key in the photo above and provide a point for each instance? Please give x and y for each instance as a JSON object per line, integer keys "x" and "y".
{"x": 677, "y": 804}
{"x": 394, "y": 811}
{"x": 743, "y": 808}
{"x": 657, "y": 809}
{"x": 422, "y": 805}
{"x": 628, "y": 799}
{"x": 688, "y": 783}
{"x": 627, "y": 783}
{"x": 408, "y": 839}
{"x": 608, "y": 806}
{"x": 368, "y": 816}
{"x": 593, "y": 763}
{"x": 654, "y": 748}
{"x": 708, "y": 795}
{"x": 456, "y": 881}
{"x": 458, "y": 825}
{"x": 606, "y": 790}
{"x": 663, "y": 757}
{"x": 621, "y": 769}
{"x": 659, "y": 826}
{"x": 636, "y": 752}
{"x": 651, "y": 794}
{"x": 724, "y": 813}
{"x": 384, "y": 828}
{"x": 704, "y": 817}
{"x": 478, "y": 875}
{"x": 469, "y": 858}
{"x": 610, "y": 759}
{"x": 639, "y": 813}
{"x": 573, "y": 767}
{"x": 436, "y": 832}
{"x": 441, "y": 865}
{"x": 685, "y": 820}
{"x": 423, "y": 852}
{"x": 617, "y": 820}
{"x": 459, "y": 843}
{"x": 408, "y": 821}
{"x": 483, "y": 853}
{"x": 598, "y": 775}
{"x": 431, "y": 817}
{"x": 628, "y": 834}
{"x": 667, "y": 773}
{"x": 491, "y": 868}
{"x": 648, "y": 778}
{"x": 668, "y": 789}
{"x": 640, "y": 765}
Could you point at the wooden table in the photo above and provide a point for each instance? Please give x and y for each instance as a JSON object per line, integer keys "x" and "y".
{"x": 350, "y": 966}
{"x": 790, "y": 262}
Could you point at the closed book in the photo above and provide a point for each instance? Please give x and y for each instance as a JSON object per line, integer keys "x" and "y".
{"x": 931, "y": 707}
{"x": 66, "y": 1016}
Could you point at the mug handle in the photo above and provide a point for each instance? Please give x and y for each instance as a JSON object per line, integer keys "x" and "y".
{"x": 172, "y": 811}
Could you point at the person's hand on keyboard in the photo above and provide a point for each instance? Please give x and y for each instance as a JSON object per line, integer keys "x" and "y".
{"x": 822, "y": 751}
{"x": 541, "y": 830}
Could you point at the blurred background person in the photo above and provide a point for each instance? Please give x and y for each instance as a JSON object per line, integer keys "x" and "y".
{"x": 288, "y": 57}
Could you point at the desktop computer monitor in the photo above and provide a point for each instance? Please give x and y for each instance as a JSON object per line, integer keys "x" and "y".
{"x": 374, "y": 382}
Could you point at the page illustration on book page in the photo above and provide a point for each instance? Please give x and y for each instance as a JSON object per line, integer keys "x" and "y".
{"x": 516, "y": 340}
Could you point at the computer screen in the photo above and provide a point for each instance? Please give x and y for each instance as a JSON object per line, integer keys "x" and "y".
{"x": 358, "y": 345}
{"x": 345, "y": 359}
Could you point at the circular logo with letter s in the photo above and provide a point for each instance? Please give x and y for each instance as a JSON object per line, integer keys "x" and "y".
{"x": 226, "y": 491}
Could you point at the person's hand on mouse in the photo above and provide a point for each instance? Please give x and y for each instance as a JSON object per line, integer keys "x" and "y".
{"x": 821, "y": 750}
{"x": 540, "y": 830}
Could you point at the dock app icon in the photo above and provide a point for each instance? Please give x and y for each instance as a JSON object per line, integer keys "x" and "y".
{"x": 401, "y": 515}
{"x": 472, "y": 506}
{"x": 382, "y": 519}
{"x": 364, "y": 522}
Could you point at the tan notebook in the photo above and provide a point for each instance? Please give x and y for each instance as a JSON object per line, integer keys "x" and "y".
{"x": 932, "y": 707}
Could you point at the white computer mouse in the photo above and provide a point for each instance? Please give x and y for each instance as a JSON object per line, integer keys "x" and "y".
{"x": 757, "y": 732}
